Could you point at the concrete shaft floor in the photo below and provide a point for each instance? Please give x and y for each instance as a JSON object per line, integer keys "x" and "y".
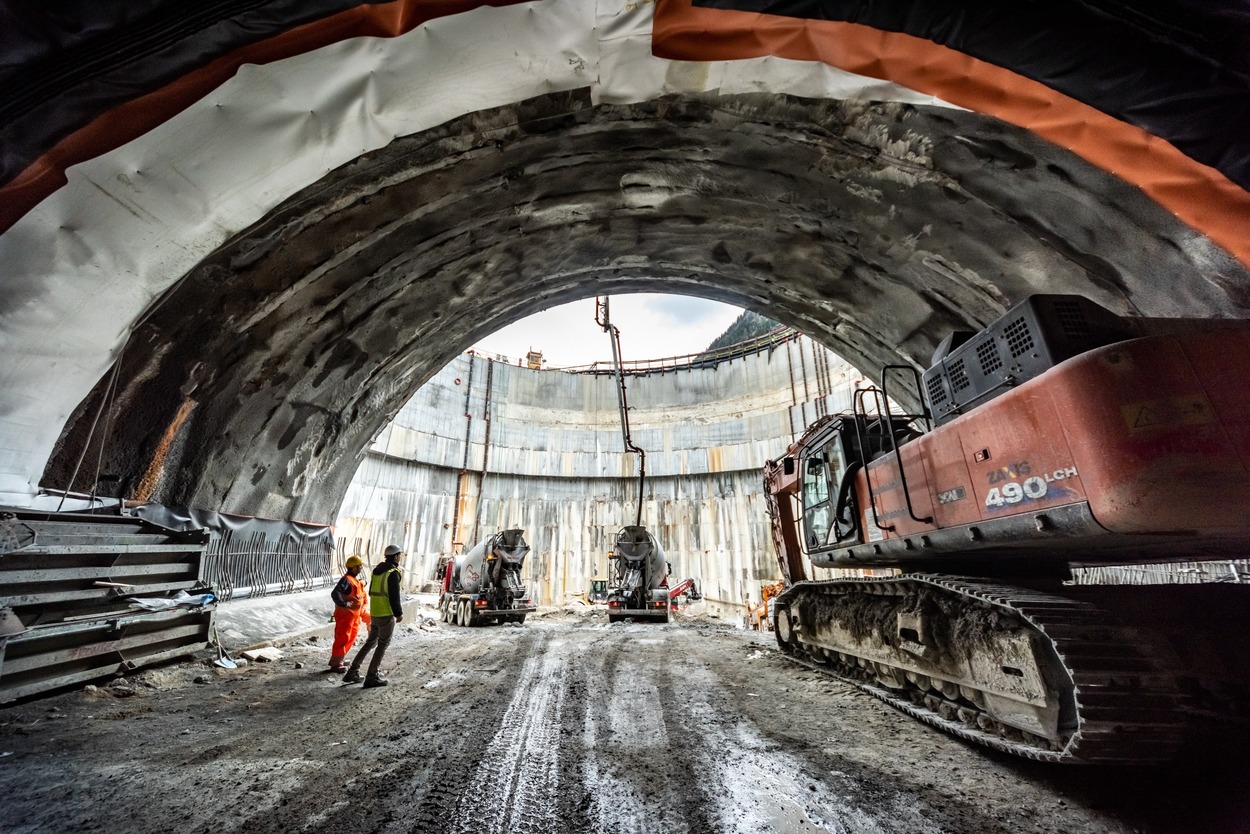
{"x": 562, "y": 725}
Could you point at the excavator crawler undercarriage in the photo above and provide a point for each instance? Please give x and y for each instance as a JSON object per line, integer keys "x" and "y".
{"x": 1025, "y": 672}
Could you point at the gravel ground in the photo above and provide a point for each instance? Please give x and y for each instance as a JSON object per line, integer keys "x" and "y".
{"x": 565, "y": 724}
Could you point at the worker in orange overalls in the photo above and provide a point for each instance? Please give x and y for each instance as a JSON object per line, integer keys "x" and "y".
{"x": 349, "y": 609}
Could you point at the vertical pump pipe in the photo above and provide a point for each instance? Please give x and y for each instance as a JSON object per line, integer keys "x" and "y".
{"x": 603, "y": 319}
{"x": 464, "y": 466}
{"x": 481, "y": 482}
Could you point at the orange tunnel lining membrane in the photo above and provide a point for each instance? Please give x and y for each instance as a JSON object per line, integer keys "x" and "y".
{"x": 128, "y": 121}
{"x": 1197, "y": 194}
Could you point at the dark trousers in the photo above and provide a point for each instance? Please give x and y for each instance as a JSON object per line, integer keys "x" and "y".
{"x": 380, "y": 631}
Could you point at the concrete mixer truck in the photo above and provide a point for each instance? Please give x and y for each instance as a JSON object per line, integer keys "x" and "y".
{"x": 484, "y": 585}
{"x": 638, "y": 586}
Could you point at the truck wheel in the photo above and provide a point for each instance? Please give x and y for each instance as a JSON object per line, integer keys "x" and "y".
{"x": 443, "y": 613}
{"x": 519, "y": 619}
{"x": 462, "y": 616}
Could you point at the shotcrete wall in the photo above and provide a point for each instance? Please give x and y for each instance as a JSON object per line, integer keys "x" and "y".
{"x": 487, "y": 445}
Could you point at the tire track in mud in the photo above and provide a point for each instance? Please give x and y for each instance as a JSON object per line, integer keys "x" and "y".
{"x": 635, "y": 769}
{"x": 555, "y": 728}
{"x": 619, "y": 740}
{"x": 513, "y": 790}
{"x": 398, "y": 764}
{"x": 736, "y": 760}
{"x": 698, "y": 805}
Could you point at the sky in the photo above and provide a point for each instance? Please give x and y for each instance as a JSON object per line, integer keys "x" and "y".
{"x": 652, "y": 326}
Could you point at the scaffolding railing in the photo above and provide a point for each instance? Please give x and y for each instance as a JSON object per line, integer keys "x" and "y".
{"x": 773, "y": 338}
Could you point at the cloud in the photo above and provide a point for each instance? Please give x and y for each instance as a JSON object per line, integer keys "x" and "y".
{"x": 652, "y": 327}
{"x": 684, "y": 309}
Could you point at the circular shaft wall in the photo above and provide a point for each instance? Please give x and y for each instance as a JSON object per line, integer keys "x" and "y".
{"x": 544, "y": 453}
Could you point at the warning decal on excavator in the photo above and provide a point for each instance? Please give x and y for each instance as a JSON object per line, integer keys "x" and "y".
{"x": 1165, "y": 414}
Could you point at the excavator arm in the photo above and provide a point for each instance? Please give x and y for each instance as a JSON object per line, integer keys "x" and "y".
{"x": 686, "y": 585}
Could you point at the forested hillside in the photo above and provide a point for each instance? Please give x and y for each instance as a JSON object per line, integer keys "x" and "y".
{"x": 746, "y": 326}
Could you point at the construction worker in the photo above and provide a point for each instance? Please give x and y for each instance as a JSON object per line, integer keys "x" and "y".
{"x": 386, "y": 611}
{"x": 349, "y": 608}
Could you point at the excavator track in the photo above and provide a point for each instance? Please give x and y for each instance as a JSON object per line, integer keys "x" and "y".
{"x": 1110, "y": 691}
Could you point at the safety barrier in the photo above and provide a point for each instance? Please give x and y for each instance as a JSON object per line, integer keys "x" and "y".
{"x": 256, "y": 564}
{"x": 255, "y": 557}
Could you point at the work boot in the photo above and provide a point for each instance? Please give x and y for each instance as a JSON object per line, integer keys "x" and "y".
{"x": 352, "y": 676}
{"x": 378, "y": 681}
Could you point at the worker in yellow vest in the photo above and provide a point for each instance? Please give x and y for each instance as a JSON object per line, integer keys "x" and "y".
{"x": 386, "y": 611}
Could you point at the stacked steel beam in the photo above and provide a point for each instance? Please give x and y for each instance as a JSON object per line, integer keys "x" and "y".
{"x": 84, "y": 596}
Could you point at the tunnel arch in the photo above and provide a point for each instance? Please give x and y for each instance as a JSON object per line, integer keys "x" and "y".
{"x": 873, "y": 227}
{"x": 135, "y": 229}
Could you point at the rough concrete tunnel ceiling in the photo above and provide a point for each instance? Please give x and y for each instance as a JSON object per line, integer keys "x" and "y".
{"x": 254, "y": 229}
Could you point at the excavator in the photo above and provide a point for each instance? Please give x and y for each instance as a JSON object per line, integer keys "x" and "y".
{"x": 1060, "y": 436}
{"x": 685, "y": 588}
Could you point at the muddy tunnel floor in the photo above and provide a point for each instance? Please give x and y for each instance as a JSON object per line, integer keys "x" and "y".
{"x": 564, "y": 724}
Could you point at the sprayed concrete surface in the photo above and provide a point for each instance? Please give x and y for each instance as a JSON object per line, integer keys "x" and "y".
{"x": 565, "y": 724}
{"x": 874, "y": 227}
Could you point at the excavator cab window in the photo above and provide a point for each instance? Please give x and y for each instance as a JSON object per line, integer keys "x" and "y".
{"x": 822, "y": 472}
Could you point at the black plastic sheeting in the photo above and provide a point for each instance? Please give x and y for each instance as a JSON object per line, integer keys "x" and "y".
{"x": 1179, "y": 69}
{"x": 220, "y": 525}
{"x": 63, "y": 62}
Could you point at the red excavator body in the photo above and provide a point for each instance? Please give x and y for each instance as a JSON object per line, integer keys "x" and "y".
{"x": 1059, "y": 436}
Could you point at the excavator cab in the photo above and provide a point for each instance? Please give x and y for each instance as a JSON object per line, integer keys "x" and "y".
{"x": 829, "y": 465}
{"x": 823, "y": 468}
